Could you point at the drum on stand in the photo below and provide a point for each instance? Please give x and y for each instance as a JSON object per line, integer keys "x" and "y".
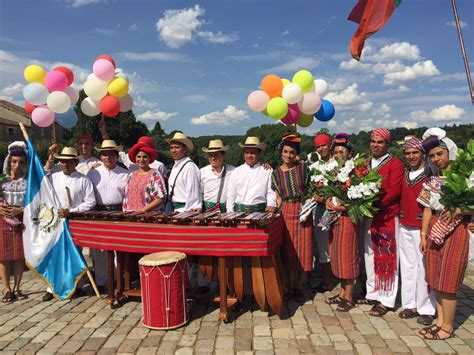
{"x": 163, "y": 279}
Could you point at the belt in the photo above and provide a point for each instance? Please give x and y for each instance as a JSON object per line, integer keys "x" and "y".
{"x": 207, "y": 205}
{"x": 117, "y": 207}
{"x": 291, "y": 200}
{"x": 177, "y": 205}
{"x": 260, "y": 207}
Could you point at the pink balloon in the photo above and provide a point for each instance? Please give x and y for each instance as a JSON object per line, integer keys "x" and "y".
{"x": 56, "y": 81}
{"x": 292, "y": 115}
{"x": 258, "y": 100}
{"x": 42, "y": 116}
{"x": 310, "y": 103}
{"x": 104, "y": 69}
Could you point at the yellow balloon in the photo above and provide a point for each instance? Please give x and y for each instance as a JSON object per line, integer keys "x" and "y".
{"x": 34, "y": 74}
{"x": 118, "y": 87}
{"x": 285, "y": 82}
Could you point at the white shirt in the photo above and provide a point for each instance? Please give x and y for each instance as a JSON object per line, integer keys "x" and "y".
{"x": 414, "y": 174}
{"x": 80, "y": 187}
{"x": 157, "y": 165}
{"x": 83, "y": 167}
{"x": 375, "y": 162}
{"x": 250, "y": 186}
{"x": 109, "y": 185}
{"x": 188, "y": 184}
{"x": 211, "y": 182}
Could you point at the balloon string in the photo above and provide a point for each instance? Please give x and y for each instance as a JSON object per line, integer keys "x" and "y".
{"x": 54, "y": 132}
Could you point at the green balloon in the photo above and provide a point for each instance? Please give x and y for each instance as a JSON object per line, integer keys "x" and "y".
{"x": 304, "y": 79}
{"x": 305, "y": 120}
{"x": 277, "y": 108}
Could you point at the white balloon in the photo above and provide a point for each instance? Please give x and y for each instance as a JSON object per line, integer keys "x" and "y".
{"x": 96, "y": 89}
{"x": 92, "y": 76}
{"x": 310, "y": 103}
{"x": 73, "y": 94}
{"x": 58, "y": 102}
{"x": 126, "y": 103}
{"x": 292, "y": 93}
{"x": 36, "y": 94}
{"x": 321, "y": 87}
{"x": 89, "y": 107}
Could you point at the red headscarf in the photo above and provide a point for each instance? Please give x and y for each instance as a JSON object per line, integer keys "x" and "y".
{"x": 322, "y": 139}
{"x": 85, "y": 136}
{"x": 142, "y": 147}
{"x": 382, "y": 132}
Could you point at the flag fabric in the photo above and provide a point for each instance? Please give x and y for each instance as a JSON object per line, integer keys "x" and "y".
{"x": 371, "y": 15}
{"x": 47, "y": 242}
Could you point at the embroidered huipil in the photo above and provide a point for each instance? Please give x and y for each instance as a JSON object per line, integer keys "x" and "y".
{"x": 143, "y": 189}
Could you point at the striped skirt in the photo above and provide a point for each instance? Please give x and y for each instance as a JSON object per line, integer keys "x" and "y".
{"x": 297, "y": 239}
{"x": 446, "y": 263}
{"x": 344, "y": 249}
{"x": 11, "y": 242}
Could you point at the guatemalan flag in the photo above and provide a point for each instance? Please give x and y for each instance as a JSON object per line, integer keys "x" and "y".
{"x": 49, "y": 250}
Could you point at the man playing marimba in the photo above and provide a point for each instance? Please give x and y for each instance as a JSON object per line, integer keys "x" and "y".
{"x": 185, "y": 178}
{"x": 74, "y": 190}
{"x": 109, "y": 182}
{"x": 215, "y": 176}
{"x": 250, "y": 184}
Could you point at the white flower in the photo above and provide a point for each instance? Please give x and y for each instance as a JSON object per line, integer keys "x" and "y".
{"x": 342, "y": 176}
{"x": 470, "y": 181}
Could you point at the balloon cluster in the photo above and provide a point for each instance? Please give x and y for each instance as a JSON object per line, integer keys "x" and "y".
{"x": 49, "y": 96}
{"x": 106, "y": 90}
{"x": 298, "y": 101}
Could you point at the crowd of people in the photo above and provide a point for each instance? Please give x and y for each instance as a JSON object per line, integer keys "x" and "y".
{"x": 394, "y": 247}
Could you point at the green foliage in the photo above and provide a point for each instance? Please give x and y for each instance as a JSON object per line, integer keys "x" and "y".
{"x": 456, "y": 191}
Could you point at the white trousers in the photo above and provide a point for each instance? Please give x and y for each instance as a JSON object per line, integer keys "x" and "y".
{"x": 387, "y": 298}
{"x": 412, "y": 267}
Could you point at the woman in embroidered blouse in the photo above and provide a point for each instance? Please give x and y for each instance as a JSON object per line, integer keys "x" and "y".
{"x": 289, "y": 182}
{"x": 146, "y": 189}
{"x": 446, "y": 252}
{"x": 13, "y": 190}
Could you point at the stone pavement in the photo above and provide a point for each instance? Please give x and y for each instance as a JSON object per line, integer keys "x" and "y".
{"x": 86, "y": 325}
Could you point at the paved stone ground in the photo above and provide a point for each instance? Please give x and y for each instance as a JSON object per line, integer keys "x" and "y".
{"x": 86, "y": 325}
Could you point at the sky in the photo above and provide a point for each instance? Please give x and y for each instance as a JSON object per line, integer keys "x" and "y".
{"x": 191, "y": 65}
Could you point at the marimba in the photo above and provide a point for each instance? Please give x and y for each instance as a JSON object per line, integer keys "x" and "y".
{"x": 228, "y": 236}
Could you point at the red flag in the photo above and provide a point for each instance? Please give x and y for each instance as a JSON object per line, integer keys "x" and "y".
{"x": 371, "y": 15}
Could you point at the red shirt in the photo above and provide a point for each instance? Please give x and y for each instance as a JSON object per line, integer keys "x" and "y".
{"x": 411, "y": 212}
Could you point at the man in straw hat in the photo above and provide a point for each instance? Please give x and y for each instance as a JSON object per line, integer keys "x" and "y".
{"x": 215, "y": 176}
{"x": 74, "y": 190}
{"x": 109, "y": 181}
{"x": 250, "y": 184}
{"x": 416, "y": 300}
{"x": 185, "y": 178}
{"x": 381, "y": 233}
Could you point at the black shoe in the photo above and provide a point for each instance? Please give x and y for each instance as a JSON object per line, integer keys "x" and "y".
{"x": 47, "y": 297}
{"x": 202, "y": 290}
{"x": 80, "y": 292}
{"x": 101, "y": 289}
{"x": 426, "y": 319}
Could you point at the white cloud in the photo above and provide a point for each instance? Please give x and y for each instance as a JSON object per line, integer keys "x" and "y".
{"x": 285, "y": 33}
{"x": 107, "y": 32}
{"x": 403, "y": 88}
{"x": 195, "y": 98}
{"x": 133, "y": 27}
{"x": 350, "y": 99}
{"x": 295, "y": 64}
{"x": 155, "y": 56}
{"x": 141, "y": 103}
{"x": 14, "y": 89}
{"x": 416, "y": 71}
{"x": 442, "y": 113}
{"x": 396, "y": 51}
{"x": 453, "y": 24}
{"x": 178, "y": 27}
{"x": 152, "y": 116}
{"x": 79, "y": 3}
{"x": 229, "y": 116}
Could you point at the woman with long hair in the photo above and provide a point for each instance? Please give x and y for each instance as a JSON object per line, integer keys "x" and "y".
{"x": 12, "y": 188}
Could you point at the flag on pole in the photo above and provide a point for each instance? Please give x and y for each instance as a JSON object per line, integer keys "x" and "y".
{"x": 371, "y": 15}
{"x": 49, "y": 250}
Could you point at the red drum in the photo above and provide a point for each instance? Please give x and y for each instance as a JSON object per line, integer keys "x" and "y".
{"x": 163, "y": 279}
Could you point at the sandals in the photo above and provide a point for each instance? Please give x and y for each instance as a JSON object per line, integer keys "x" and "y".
{"x": 366, "y": 301}
{"x": 345, "y": 306}
{"x": 432, "y": 329}
{"x": 8, "y": 297}
{"x": 20, "y": 296}
{"x": 379, "y": 310}
{"x": 408, "y": 313}
{"x": 334, "y": 300}
{"x": 435, "y": 335}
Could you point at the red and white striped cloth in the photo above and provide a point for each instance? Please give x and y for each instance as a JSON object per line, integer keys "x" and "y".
{"x": 441, "y": 230}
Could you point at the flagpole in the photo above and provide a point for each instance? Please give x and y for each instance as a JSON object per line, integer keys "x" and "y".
{"x": 23, "y": 130}
{"x": 463, "y": 51}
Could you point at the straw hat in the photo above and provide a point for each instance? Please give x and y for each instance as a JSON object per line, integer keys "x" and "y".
{"x": 109, "y": 144}
{"x": 67, "y": 153}
{"x": 253, "y": 142}
{"x": 181, "y": 138}
{"x": 215, "y": 145}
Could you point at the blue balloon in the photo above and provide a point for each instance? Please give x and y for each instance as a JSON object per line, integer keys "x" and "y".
{"x": 326, "y": 112}
{"x": 67, "y": 119}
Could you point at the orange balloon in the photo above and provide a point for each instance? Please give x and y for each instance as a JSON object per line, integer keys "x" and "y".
{"x": 272, "y": 85}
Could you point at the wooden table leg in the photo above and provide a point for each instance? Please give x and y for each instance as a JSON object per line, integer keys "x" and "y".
{"x": 120, "y": 262}
{"x": 258, "y": 283}
{"x": 238, "y": 277}
{"x": 110, "y": 277}
{"x": 273, "y": 288}
{"x": 127, "y": 271}
{"x": 222, "y": 275}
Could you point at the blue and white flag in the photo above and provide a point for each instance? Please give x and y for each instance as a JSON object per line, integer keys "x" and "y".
{"x": 47, "y": 242}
